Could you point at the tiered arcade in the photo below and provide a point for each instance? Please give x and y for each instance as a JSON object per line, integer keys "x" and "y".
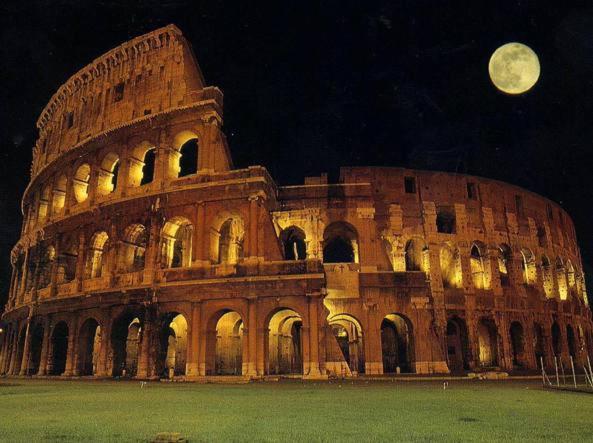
{"x": 145, "y": 253}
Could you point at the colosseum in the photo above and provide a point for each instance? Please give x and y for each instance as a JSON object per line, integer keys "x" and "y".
{"x": 144, "y": 253}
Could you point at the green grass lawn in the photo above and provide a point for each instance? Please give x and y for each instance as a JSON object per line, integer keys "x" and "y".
{"x": 45, "y": 410}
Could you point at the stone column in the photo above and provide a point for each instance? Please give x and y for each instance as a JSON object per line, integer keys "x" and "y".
{"x": 314, "y": 370}
{"x": 252, "y": 324}
{"x": 14, "y": 353}
{"x": 200, "y": 255}
{"x": 367, "y": 254}
{"x": 145, "y": 345}
{"x": 193, "y": 349}
{"x": 43, "y": 360}
{"x": 25, "y": 272}
{"x": 252, "y": 238}
{"x": 54, "y": 269}
{"x": 72, "y": 348}
{"x": 505, "y": 357}
{"x": 103, "y": 362}
{"x": 80, "y": 261}
{"x": 372, "y": 341}
{"x": 25, "y": 359}
{"x": 152, "y": 249}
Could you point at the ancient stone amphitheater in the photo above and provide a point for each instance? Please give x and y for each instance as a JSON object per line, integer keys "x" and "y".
{"x": 145, "y": 253}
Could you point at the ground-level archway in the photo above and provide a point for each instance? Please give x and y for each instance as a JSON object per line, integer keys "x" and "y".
{"x": 224, "y": 344}
{"x": 517, "y": 344}
{"x": 172, "y": 345}
{"x": 89, "y": 344}
{"x": 457, "y": 345}
{"x": 348, "y": 333}
{"x": 487, "y": 343}
{"x": 284, "y": 343}
{"x": 397, "y": 344}
{"x": 556, "y": 339}
{"x": 125, "y": 341}
{"x": 571, "y": 341}
{"x": 59, "y": 349}
{"x": 35, "y": 349}
{"x": 539, "y": 344}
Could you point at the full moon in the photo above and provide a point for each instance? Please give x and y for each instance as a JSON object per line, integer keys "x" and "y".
{"x": 514, "y": 68}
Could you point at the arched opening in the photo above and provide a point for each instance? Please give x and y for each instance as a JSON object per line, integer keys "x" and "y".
{"x": 95, "y": 263}
{"x": 517, "y": 344}
{"x": 348, "y": 333}
{"x": 284, "y": 343}
{"x": 504, "y": 261}
{"x": 548, "y": 280}
{"x": 450, "y": 262}
{"x": 479, "y": 266}
{"x": 570, "y": 276}
{"x": 487, "y": 343}
{"x": 133, "y": 248}
{"x": 457, "y": 345}
{"x": 230, "y": 240}
{"x": 416, "y": 254}
{"x": 176, "y": 240}
{"x": 340, "y": 243}
{"x": 397, "y": 344}
{"x": 141, "y": 165}
{"x": 59, "y": 349}
{"x": 108, "y": 174}
{"x": 89, "y": 345}
{"x": 293, "y": 242}
{"x": 188, "y": 158}
{"x": 67, "y": 258}
{"x": 570, "y": 339}
{"x": 528, "y": 267}
{"x": 125, "y": 341}
{"x": 561, "y": 279}
{"x": 59, "y": 194}
{"x": 80, "y": 182}
{"x": 556, "y": 339}
{"x": 538, "y": 343}
{"x": 20, "y": 350}
{"x": 35, "y": 349}
{"x": 224, "y": 344}
{"x": 172, "y": 345}
{"x": 47, "y": 255}
{"x": 43, "y": 205}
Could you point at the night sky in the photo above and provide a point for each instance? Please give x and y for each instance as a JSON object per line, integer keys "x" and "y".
{"x": 310, "y": 87}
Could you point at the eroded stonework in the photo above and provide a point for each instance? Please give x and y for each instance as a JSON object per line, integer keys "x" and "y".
{"x": 145, "y": 253}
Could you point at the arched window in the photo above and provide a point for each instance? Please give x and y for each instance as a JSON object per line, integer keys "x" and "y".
{"x": 528, "y": 266}
{"x": 450, "y": 266}
{"x": 67, "y": 258}
{"x": 416, "y": 255}
{"x": 47, "y": 255}
{"x": 95, "y": 262}
{"x": 59, "y": 197}
{"x": 340, "y": 243}
{"x": 188, "y": 158}
{"x": 479, "y": 266}
{"x": 43, "y": 205}
{"x": 561, "y": 279}
{"x": 504, "y": 261}
{"x": 108, "y": 174}
{"x": 133, "y": 248}
{"x": 570, "y": 275}
{"x": 230, "y": 241}
{"x": 80, "y": 183}
{"x": 547, "y": 277}
{"x": 446, "y": 220}
{"x": 293, "y": 241}
{"x": 142, "y": 165}
{"x": 176, "y": 240}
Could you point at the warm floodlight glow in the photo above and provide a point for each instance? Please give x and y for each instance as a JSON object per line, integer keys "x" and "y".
{"x": 514, "y": 68}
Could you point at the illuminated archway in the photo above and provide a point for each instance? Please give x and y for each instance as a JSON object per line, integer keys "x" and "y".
{"x": 224, "y": 344}
{"x": 284, "y": 343}
{"x": 457, "y": 344}
{"x": 80, "y": 182}
{"x": 125, "y": 339}
{"x": 340, "y": 243}
{"x": 59, "y": 194}
{"x": 488, "y": 343}
{"x": 95, "y": 262}
{"x": 133, "y": 248}
{"x": 141, "y": 165}
{"x": 172, "y": 345}
{"x": 230, "y": 240}
{"x": 89, "y": 345}
{"x": 450, "y": 262}
{"x": 293, "y": 242}
{"x": 416, "y": 255}
{"x": 176, "y": 241}
{"x": 108, "y": 174}
{"x": 397, "y": 344}
{"x": 349, "y": 336}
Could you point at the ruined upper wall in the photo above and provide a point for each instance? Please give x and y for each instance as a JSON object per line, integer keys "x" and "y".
{"x": 150, "y": 74}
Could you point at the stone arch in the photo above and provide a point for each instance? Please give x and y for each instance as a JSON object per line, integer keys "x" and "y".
{"x": 59, "y": 349}
{"x": 487, "y": 343}
{"x": 528, "y": 267}
{"x": 349, "y": 334}
{"x": 547, "y": 276}
{"x": 67, "y": 258}
{"x": 450, "y": 262}
{"x": 89, "y": 345}
{"x": 36, "y": 344}
{"x": 126, "y": 334}
{"x": 397, "y": 343}
{"x": 294, "y": 243}
{"x": 416, "y": 255}
{"x": 225, "y": 344}
{"x": 43, "y": 205}
{"x": 479, "y": 265}
{"x": 133, "y": 248}
{"x": 517, "y": 344}
{"x": 556, "y": 339}
{"x": 95, "y": 259}
{"x": 284, "y": 342}
{"x": 505, "y": 257}
{"x": 59, "y": 194}
{"x": 108, "y": 174}
{"x": 172, "y": 350}
{"x": 457, "y": 344}
{"x": 142, "y": 164}
{"x": 176, "y": 243}
{"x": 561, "y": 278}
{"x": 80, "y": 182}
{"x": 226, "y": 239}
{"x": 340, "y": 243}
{"x": 186, "y": 144}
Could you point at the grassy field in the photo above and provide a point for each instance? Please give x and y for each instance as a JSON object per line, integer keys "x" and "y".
{"x": 43, "y": 410}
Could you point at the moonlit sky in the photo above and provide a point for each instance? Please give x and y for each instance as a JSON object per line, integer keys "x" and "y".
{"x": 309, "y": 87}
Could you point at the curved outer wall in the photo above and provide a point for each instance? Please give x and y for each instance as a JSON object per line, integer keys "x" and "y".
{"x": 144, "y": 253}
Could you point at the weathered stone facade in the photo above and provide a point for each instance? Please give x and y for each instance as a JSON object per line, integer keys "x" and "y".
{"x": 145, "y": 253}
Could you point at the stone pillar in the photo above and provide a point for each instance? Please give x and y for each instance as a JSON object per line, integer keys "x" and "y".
{"x": 193, "y": 348}
{"x": 200, "y": 255}
{"x": 80, "y": 261}
{"x": 145, "y": 345}
{"x": 25, "y": 359}
{"x": 14, "y": 353}
{"x": 54, "y": 269}
{"x": 25, "y": 272}
{"x": 104, "y": 361}
{"x": 252, "y": 237}
{"x": 45, "y": 348}
{"x": 72, "y": 348}
{"x": 4, "y": 349}
{"x": 472, "y": 337}
{"x": 314, "y": 341}
{"x": 372, "y": 341}
{"x": 93, "y": 184}
{"x": 367, "y": 240}
{"x": 152, "y": 249}
{"x": 252, "y": 324}
{"x": 505, "y": 357}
